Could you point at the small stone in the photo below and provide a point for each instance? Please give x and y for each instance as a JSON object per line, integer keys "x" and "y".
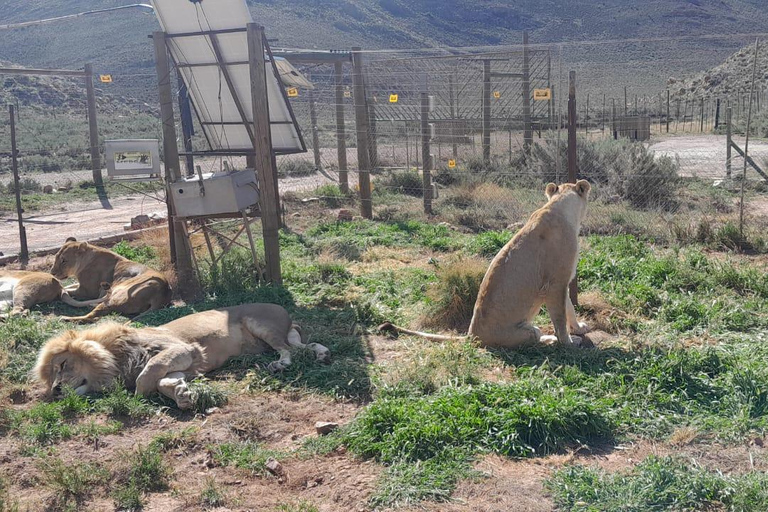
{"x": 325, "y": 427}
{"x": 274, "y": 467}
{"x": 48, "y": 189}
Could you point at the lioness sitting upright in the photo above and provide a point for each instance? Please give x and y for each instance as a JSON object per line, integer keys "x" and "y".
{"x": 131, "y": 288}
{"x": 532, "y": 269}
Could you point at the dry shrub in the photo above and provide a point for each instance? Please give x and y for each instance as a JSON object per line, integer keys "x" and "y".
{"x": 483, "y": 206}
{"x": 454, "y": 293}
{"x": 157, "y": 239}
{"x": 601, "y": 316}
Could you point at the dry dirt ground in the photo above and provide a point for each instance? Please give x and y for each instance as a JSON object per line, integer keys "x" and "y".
{"x": 335, "y": 482}
{"x": 94, "y": 219}
{"x": 705, "y": 156}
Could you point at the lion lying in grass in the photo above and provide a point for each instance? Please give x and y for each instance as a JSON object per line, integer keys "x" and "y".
{"x": 21, "y": 290}
{"x": 532, "y": 269}
{"x": 163, "y": 358}
{"x": 112, "y": 282}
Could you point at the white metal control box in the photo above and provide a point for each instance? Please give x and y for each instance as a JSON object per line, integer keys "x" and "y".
{"x": 134, "y": 159}
{"x": 216, "y": 194}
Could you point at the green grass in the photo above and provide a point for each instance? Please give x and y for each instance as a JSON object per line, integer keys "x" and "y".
{"x": 144, "y": 471}
{"x": 138, "y": 253}
{"x": 658, "y": 483}
{"x": 246, "y": 455}
{"x": 72, "y": 483}
{"x": 174, "y": 439}
{"x": 212, "y": 495}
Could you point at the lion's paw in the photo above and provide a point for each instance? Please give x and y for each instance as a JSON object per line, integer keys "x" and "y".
{"x": 145, "y": 385}
{"x": 276, "y": 367}
{"x": 183, "y": 397}
{"x": 321, "y": 352}
{"x": 583, "y": 328}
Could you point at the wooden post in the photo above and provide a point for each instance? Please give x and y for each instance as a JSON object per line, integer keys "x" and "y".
{"x": 93, "y": 129}
{"x": 23, "y": 250}
{"x": 602, "y": 117}
{"x": 574, "y": 286}
{"x": 181, "y": 252}
{"x": 361, "y": 122}
{"x": 486, "y": 111}
{"x": 527, "y": 127}
{"x": 667, "y": 110}
{"x": 717, "y": 114}
{"x": 341, "y": 141}
{"x": 586, "y": 117}
{"x": 625, "y": 101}
{"x": 265, "y": 157}
{"x": 373, "y": 144}
{"x": 728, "y": 140}
{"x": 315, "y": 132}
{"x": 454, "y": 148}
{"x": 614, "y": 132}
{"x": 187, "y": 129}
{"x": 701, "y": 115}
{"x": 425, "y": 149}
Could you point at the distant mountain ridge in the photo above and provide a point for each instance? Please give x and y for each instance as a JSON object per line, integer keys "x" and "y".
{"x": 117, "y": 43}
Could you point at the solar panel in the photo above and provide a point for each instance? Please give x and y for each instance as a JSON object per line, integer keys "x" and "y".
{"x": 214, "y": 66}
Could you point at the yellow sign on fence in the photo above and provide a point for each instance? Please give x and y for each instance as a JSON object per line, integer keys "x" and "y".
{"x": 107, "y": 79}
{"x": 293, "y": 92}
{"x": 497, "y": 94}
{"x": 393, "y": 98}
{"x": 451, "y": 163}
{"x": 542, "y": 94}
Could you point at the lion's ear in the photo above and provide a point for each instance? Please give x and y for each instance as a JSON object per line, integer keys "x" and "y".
{"x": 82, "y": 246}
{"x": 70, "y": 239}
{"x": 551, "y": 190}
{"x": 583, "y": 187}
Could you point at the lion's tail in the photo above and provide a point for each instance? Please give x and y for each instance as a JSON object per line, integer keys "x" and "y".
{"x": 392, "y": 328}
{"x": 67, "y": 299}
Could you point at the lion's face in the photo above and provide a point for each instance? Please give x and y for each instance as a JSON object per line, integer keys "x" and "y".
{"x": 65, "y": 263}
{"x": 73, "y": 361}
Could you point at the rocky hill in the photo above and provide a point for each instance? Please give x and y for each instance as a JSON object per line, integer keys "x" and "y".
{"x": 732, "y": 77}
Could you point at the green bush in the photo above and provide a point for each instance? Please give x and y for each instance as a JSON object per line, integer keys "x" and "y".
{"x": 406, "y": 182}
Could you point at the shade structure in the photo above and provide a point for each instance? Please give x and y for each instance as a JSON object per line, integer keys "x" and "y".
{"x": 207, "y": 41}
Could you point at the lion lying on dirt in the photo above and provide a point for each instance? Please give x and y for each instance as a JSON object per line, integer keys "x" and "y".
{"x": 162, "y": 358}
{"x": 21, "y": 290}
{"x": 532, "y": 269}
{"x": 131, "y": 288}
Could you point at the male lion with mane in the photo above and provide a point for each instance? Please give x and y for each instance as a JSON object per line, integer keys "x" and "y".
{"x": 161, "y": 358}
{"x": 113, "y": 282}
{"x": 532, "y": 269}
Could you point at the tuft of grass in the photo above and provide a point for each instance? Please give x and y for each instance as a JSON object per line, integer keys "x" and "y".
{"x": 243, "y": 455}
{"x": 174, "y": 439}
{"x": 143, "y": 471}
{"x": 331, "y": 195}
{"x": 407, "y": 483}
{"x": 658, "y": 483}
{"x": 7, "y": 502}
{"x": 402, "y": 182}
{"x": 118, "y": 402}
{"x": 207, "y": 395}
{"x": 71, "y": 484}
{"x": 139, "y": 253}
{"x": 301, "y": 506}
{"x": 212, "y": 495}
{"x": 489, "y": 243}
{"x": 452, "y": 297}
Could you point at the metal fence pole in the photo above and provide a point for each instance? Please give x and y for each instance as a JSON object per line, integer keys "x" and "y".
{"x": 425, "y": 148}
{"x": 574, "y": 287}
{"x": 23, "y": 251}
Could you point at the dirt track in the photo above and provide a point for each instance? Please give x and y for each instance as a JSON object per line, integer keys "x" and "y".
{"x": 704, "y": 156}
{"x": 89, "y": 220}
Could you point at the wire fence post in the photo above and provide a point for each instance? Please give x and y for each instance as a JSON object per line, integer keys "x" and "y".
{"x": 93, "y": 129}
{"x": 667, "y": 110}
{"x": 426, "y": 157}
{"x": 361, "y": 128}
{"x": 181, "y": 252}
{"x": 574, "y": 287}
{"x": 728, "y": 141}
{"x": 746, "y": 141}
{"x": 315, "y": 132}
{"x": 23, "y": 250}
{"x": 486, "y": 111}
{"x": 527, "y": 127}
{"x": 341, "y": 140}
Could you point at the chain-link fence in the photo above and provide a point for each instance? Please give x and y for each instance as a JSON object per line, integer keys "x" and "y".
{"x": 660, "y": 136}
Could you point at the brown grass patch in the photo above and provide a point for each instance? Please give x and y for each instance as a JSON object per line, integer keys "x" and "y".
{"x": 454, "y": 294}
{"x": 601, "y": 316}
